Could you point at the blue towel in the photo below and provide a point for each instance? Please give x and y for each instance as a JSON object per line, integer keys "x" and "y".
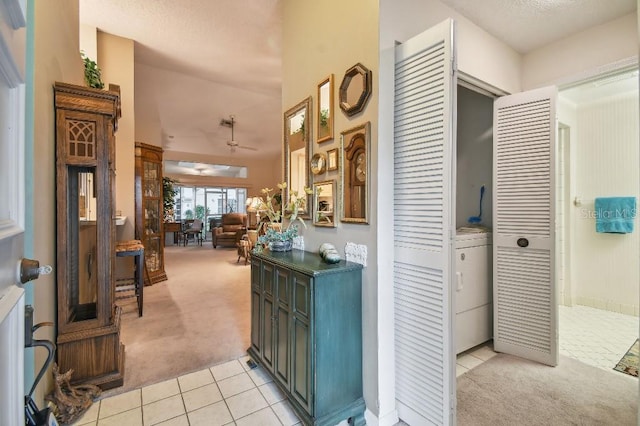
{"x": 615, "y": 214}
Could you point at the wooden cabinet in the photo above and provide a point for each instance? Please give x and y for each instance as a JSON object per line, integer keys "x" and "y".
{"x": 149, "y": 209}
{"x": 88, "y": 328}
{"x": 306, "y": 331}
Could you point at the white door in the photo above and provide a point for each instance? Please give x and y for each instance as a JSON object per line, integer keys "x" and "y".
{"x": 12, "y": 54}
{"x": 424, "y": 226}
{"x": 524, "y": 292}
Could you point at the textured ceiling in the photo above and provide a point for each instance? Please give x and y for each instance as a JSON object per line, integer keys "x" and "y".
{"x": 199, "y": 61}
{"x": 528, "y": 24}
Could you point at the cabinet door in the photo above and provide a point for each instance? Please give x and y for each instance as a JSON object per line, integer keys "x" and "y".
{"x": 268, "y": 316}
{"x": 281, "y": 338}
{"x": 256, "y": 317}
{"x": 301, "y": 341}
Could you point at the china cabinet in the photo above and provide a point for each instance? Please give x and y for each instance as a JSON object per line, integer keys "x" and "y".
{"x": 88, "y": 329}
{"x": 149, "y": 209}
{"x": 306, "y": 331}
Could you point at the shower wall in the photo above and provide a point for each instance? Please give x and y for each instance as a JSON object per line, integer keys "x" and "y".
{"x": 604, "y": 267}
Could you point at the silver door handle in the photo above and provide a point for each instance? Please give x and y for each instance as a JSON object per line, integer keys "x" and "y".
{"x": 29, "y": 270}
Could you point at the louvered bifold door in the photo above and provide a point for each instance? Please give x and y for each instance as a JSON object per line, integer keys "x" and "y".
{"x": 524, "y": 294}
{"x": 423, "y": 223}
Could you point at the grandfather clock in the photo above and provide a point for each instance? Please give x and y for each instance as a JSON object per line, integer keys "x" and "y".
{"x": 356, "y": 169}
{"x": 88, "y": 321}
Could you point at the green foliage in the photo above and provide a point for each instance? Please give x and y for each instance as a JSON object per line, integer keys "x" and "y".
{"x": 92, "y": 77}
{"x": 169, "y": 192}
{"x": 273, "y": 235}
{"x": 188, "y": 214}
{"x": 324, "y": 118}
{"x": 201, "y": 213}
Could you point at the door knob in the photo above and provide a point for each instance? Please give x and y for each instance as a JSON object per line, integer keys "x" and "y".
{"x": 29, "y": 270}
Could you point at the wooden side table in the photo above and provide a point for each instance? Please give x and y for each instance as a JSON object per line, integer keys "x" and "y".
{"x": 176, "y": 228}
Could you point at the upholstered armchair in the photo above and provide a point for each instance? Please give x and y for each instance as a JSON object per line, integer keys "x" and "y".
{"x": 230, "y": 230}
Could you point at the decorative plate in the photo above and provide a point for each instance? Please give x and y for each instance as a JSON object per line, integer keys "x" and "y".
{"x": 318, "y": 163}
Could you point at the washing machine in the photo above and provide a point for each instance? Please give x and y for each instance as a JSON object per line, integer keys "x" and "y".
{"x": 474, "y": 293}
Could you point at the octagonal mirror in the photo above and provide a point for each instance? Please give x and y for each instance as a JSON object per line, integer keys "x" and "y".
{"x": 355, "y": 89}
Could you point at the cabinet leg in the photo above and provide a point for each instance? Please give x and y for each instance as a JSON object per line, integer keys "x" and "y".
{"x": 357, "y": 420}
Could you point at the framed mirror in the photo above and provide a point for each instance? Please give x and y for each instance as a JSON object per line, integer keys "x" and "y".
{"x": 355, "y": 174}
{"x": 355, "y": 89}
{"x": 297, "y": 147}
{"x": 318, "y": 163}
{"x": 325, "y": 109}
{"x": 324, "y": 203}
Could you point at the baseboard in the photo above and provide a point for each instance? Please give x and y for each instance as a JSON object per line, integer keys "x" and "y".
{"x": 388, "y": 419}
{"x": 608, "y": 305}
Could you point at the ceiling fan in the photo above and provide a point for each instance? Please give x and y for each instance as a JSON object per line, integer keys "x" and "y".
{"x": 233, "y": 144}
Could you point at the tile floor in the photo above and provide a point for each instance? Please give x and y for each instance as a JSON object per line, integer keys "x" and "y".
{"x": 596, "y": 337}
{"x": 225, "y": 394}
{"x": 233, "y": 394}
{"x": 592, "y": 336}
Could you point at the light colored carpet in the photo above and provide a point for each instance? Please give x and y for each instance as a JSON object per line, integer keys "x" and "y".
{"x": 197, "y": 318}
{"x": 507, "y": 390}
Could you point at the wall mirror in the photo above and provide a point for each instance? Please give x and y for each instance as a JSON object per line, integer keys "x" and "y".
{"x": 297, "y": 146}
{"x": 355, "y": 174}
{"x": 324, "y": 203}
{"x": 325, "y": 109}
{"x": 355, "y": 89}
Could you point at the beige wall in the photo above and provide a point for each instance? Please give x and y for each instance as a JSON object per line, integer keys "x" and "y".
{"x": 115, "y": 58}
{"x": 587, "y": 50}
{"x": 89, "y": 41}
{"x": 57, "y": 58}
{"x": 315, "y": 44}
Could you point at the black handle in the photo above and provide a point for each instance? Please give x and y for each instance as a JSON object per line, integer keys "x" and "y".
{"x": 522, "y": 242}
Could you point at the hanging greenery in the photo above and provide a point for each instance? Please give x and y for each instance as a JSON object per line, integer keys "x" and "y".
{"x": 92, "y": 77}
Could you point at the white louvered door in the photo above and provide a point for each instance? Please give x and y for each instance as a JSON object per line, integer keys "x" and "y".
{"x": 524, "y": 293}
{"x": 424, "y": 225}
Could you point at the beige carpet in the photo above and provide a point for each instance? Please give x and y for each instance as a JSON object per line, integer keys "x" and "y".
{"x": 511, "y": 391}
{"x": 197, "y": 318}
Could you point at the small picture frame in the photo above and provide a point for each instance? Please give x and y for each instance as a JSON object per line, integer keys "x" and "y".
{"x": 332, "y": 159}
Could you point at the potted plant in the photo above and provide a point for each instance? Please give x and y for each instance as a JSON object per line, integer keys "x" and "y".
{"x": 92, "y": 73}
{"x": 282, "y": 226}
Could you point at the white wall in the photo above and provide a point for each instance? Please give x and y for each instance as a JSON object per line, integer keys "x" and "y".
{"x": 568, "y": 116}
{"x": 587, "y": 50}
{"x": 604, "y": 266}
{"x": 474, "y": 156}
{"x": 479, "y": 54}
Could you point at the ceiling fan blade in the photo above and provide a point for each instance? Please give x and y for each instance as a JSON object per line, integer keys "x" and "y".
{"x": 250, "y": 148}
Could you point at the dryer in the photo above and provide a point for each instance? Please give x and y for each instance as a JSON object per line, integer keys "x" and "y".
{"x": 474, "y": 294}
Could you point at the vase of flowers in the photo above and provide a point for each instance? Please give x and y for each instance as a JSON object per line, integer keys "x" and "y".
{"x": 283, "y": 218}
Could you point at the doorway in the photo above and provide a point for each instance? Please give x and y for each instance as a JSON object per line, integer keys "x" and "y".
{"x": 598, "y": 157}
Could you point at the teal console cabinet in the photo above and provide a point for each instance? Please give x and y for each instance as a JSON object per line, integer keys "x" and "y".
{"x": 306, "y": 332}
